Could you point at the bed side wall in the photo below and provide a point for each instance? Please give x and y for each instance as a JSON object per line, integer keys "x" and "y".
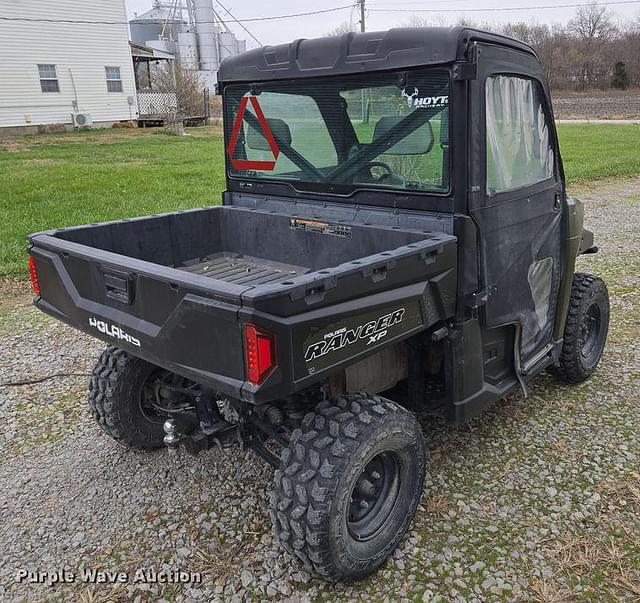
{"x": 172, "y": 239}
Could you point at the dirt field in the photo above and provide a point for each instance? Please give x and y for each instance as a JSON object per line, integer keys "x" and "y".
{"x": 609, "y": 104}
{"x": 539, "y": 499}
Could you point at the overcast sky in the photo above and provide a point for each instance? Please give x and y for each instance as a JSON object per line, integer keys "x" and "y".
{"x": 285, "y": 30}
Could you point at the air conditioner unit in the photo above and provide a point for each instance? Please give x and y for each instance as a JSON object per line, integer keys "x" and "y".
{"x": 81, "y": 120}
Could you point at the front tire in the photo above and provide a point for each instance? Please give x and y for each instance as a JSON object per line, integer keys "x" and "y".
{"x": 118, "y": 401}
{"x": 585, "y": 331}
{"x": 348, "y": 485}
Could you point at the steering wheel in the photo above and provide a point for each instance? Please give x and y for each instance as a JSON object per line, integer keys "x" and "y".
{"x": 382, "y": 177}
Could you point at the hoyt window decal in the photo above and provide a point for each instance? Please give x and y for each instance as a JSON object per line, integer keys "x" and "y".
{"x": 422, "y": 102}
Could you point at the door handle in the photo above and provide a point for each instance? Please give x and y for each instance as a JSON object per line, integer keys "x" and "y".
{"x": 557, "y": 202}
{"x": 118, "y": 286}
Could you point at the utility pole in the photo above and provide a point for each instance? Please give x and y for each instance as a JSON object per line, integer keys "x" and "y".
{"x": 361, "y": 3}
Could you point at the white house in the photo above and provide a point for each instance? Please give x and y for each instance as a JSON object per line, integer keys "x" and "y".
{"x": 64, "y": 57}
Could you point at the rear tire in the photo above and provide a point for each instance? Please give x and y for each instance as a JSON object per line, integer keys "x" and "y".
{"x": 586, "y": 329}
{"x": 116, "y": 400}
{"x": 348, "y": 485}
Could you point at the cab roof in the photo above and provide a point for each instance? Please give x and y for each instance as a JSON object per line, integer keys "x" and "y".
{"x": 359, "y": 53}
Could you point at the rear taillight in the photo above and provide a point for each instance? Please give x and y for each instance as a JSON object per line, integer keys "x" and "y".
{"x": 259, "y": 352}
{"x": 33, "y": 273}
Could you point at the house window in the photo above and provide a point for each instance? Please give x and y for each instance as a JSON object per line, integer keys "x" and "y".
{"x": 48, "y": 78}
{"x": 114, "y": 82}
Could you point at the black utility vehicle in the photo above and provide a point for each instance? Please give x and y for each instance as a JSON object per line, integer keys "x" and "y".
{"x": 395, "y": 238}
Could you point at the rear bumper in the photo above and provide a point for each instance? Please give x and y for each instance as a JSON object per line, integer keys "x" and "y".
{"x": 203, "y": 341}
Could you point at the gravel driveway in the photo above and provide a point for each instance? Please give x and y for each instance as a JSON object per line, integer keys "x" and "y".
{"x": 538, "y": 499}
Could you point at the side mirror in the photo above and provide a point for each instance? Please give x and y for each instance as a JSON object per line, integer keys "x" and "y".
{"x": 279, "y": 128}
{"x": 418, "y": 142}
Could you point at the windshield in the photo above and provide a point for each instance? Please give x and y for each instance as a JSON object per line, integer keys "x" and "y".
{"x": 382, "y": 130}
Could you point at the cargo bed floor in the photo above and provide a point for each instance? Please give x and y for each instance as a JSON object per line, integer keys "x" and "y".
{"x": 241, "y": 269}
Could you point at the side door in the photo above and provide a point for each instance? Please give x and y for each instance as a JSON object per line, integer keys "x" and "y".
{"x": 516, "y": 198}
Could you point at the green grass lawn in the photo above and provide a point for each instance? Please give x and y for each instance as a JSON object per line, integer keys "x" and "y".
{"x": 56, "y": 180}
{"x": 599, "y": 151}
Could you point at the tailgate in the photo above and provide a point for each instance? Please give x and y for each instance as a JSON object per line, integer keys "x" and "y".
{"x": 180, "y": 321}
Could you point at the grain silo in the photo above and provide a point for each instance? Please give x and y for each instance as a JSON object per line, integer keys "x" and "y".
{"x": 192, "y": 30}
{"x": 188, "y": 50}
{"x": 159, "y": 23}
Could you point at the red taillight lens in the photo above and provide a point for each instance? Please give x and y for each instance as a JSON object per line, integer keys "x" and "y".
{"x": 33, "y": 273}
{"x": 259, "y": 352}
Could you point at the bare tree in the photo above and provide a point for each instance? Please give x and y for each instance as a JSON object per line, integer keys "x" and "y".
{"x": 581, "y": 54}
{"x": 464, "y": 21}
{"x": 539, "y": 37}
{"x": 187, "y": 86}
{"x": 343, "y": 28}
{"x": 416, "y": 21}
{"x": 626, "y": 48}
{"x": 594, "y": 29}
{"x": 593, "y": 23}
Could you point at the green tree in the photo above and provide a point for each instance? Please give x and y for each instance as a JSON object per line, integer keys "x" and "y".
{"x": 620, "y": 78}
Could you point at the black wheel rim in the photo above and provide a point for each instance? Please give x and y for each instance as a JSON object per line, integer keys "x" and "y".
{"x": 590, "y": 330}
{"x": 374, "y": 496}
{"x": 149, "y": 395}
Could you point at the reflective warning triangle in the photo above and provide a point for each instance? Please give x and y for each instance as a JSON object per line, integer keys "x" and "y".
{"x": 249, "y": 164}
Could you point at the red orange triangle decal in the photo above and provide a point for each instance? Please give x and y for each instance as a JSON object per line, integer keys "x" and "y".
{"x": 248, "y": 164}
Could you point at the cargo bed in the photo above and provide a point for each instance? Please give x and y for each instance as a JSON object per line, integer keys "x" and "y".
{"x": 241, "y": 270}
{"x": 176, "y": 288}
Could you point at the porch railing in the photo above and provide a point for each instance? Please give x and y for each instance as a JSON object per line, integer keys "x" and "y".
{"x": 156, "y": 103}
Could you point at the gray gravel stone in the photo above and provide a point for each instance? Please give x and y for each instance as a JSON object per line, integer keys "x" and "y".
{"x": 504, "y": 492}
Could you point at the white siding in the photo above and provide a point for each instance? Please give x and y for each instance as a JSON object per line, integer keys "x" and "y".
{"x": 79, "y": 49}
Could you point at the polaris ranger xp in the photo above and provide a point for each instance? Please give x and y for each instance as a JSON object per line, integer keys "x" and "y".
{"x": 395, "y": 238}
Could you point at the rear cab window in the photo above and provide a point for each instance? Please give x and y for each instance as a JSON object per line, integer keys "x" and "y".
{"x": 383, "y": 131}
